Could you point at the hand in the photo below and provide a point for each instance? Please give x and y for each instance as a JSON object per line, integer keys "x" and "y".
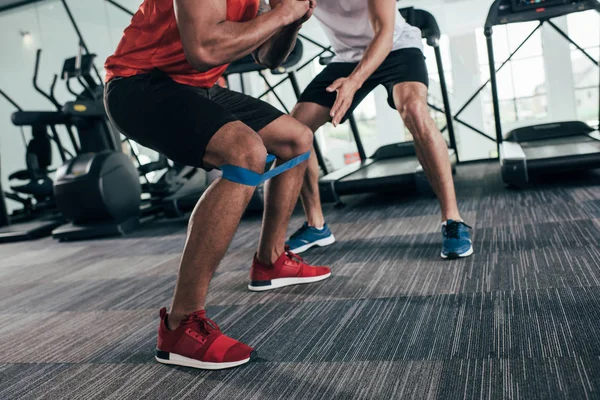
{"x": 346, "y": 89}
{"x": 309, "y": 13}
{"x": 292, "y": 10}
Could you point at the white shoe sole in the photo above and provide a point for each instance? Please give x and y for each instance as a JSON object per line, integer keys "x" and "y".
{"x": 282, "y": 282}
{"x": 175, "y": 359}
{"x": 465, "y": 254}
{"x": 321, "y": 243}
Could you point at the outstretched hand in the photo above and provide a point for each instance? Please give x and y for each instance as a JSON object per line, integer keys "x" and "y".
{"x": 346, "y": 89}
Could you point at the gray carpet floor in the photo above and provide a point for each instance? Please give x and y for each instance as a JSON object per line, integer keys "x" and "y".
{"x": 518, "y": 320}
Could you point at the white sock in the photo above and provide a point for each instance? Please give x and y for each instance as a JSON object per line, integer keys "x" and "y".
{"x": 319, "y": 228}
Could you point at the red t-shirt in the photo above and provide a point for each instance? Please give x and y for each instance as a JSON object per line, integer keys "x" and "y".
{"x": 152, "y": 41}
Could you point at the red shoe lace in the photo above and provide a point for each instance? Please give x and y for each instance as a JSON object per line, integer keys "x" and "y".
{"x": 204, "y": 322}
{"x": 293, "y": 256}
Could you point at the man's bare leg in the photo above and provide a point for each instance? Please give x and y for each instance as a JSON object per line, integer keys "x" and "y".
{"x": 286, "y": 138}
{"x": 216, "y": 217}
{"x": 314, "y": 116}
{"x": 411, "y": 101}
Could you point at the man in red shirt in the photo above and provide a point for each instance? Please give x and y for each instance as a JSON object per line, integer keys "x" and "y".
{"x": 161, "y": 93}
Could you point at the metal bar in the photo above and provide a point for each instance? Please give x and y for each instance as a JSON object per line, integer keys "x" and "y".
{"x": 71, "y": 90}
{"x": 18, "y": 4}
{"x": 447, "y": 111}
{"x": 10, "y": 100}
{"x": 274, "y": 93}
{"x": 472, "y": 98}
{"x": 80, "y": 36}
{"x": 328, "y": 48}
{"x": 460, "y": 121}
{"x": 120, "y": 7}
{"x": 51, "y": 99}
{"x": 287, "y": 77}
{"x": 474, "y": 129}
{"x": 274, "y": 86}
{"x": 294, "y": 82}
{"x": 355, "y": 133}
{"x": 76, "y": 146}
{"x": 300, "y": 68}
{"x": 563, "y": 34}
{"x": 495, "y": 97}
{"x": 61, "y": 148}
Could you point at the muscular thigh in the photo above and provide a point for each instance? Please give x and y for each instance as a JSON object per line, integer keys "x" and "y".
{"x": 176, "y": 120}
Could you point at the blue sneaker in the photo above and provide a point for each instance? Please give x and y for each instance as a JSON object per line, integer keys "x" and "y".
{"x": 456, "y": 240}
{"x": 308, "y": 236}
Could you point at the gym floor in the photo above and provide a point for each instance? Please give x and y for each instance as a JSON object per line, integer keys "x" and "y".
{"x": 519, "y": 319}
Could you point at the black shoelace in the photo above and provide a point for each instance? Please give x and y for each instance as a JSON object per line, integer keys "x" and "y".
{"x": 451, "y": 229}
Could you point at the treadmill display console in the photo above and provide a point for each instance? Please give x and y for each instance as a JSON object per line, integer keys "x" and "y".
{"x": 521, "y": 5}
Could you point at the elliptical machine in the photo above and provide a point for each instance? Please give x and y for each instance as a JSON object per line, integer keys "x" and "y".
{"x": 32, "y": 186}
{"x": 98, "y": 191}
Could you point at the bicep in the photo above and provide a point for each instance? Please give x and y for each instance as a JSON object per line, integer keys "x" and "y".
{"x": 382, "y": 14}
{"x": 196, "y": 20}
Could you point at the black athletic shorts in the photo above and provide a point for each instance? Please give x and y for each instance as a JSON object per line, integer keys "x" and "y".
{"x": 403, "y": 65}
{"x": 179, "y": 120}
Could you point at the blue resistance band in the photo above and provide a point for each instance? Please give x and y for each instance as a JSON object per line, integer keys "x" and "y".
{"x": 250, "y": 178}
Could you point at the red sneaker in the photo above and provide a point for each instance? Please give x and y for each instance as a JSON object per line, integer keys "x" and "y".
{"x": 288, "y": 269}
{"x": 198, "y": 343}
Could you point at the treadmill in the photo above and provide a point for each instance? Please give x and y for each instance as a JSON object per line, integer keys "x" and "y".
{"x": 393, "y": 165}
{"x": 545, "y": 148}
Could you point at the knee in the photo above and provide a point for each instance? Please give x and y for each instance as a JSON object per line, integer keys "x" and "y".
{"x": 304, "y": 140}
{"x": 299, "y": 142}
{"x": 413, "y": 109}
{"x": 250, "y": 154}
{"x": 415, "y": 114}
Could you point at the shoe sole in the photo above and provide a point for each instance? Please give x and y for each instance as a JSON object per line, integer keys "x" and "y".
{"x": 175, "y": 359}
{"x": 321, "y": 243}
{"x": 454, "y": 256}
{"x": 282, "y": 282}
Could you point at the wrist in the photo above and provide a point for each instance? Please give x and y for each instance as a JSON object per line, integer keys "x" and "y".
{"x": 357, "y": 80}
{"x": 283, "y": 17}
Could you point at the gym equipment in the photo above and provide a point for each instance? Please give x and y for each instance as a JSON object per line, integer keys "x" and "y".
{"x": 98, "y": 191}
{"x": 394, "y": 165}
{"x": 533, "y": 150}
{"x": 38, "y": 215}
{"x": 250, "y": 178}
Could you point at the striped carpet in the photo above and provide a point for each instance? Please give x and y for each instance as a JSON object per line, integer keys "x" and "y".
{"x": 518, "y": 320}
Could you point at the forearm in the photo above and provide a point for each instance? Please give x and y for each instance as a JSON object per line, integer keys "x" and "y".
{"x": 374, "y": 55}
{"x": 229, "y": 41}
{"x": 277, "y": 48}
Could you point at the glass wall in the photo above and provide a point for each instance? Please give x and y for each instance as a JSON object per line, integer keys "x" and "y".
{"x": 584, "y": 29}
{"x": 522, "y": 87}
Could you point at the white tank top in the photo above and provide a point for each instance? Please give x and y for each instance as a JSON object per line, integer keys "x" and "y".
{"x": 348, "y": 27}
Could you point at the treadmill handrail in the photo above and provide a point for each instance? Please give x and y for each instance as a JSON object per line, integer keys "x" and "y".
{"x": 501, "y": 12}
